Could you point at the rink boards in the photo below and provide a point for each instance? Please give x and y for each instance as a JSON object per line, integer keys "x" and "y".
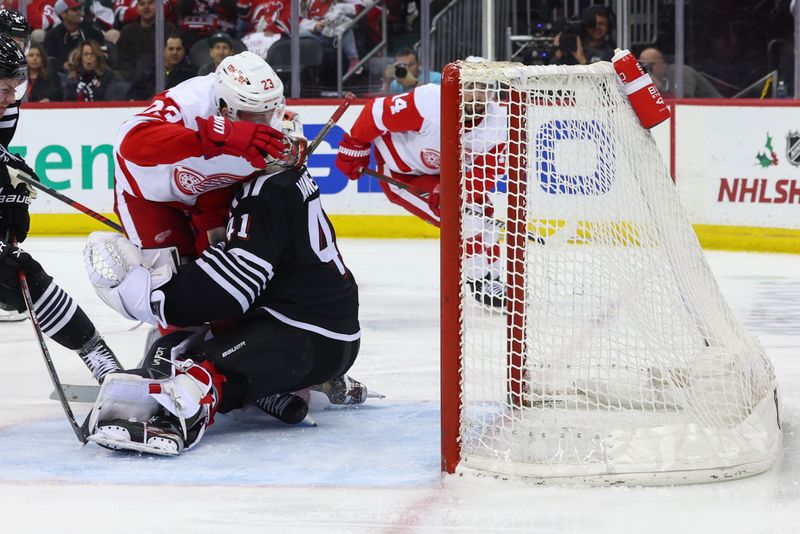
{"x": 736, "y": 163}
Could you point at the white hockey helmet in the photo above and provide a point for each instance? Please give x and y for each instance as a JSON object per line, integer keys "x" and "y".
{"x": 245, "y": 82}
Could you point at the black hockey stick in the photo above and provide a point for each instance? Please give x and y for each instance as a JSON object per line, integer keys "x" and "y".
{"x": 34, "y": 181}
{"x": 423, "y": 195}
{"x": 80, "y": 431}
{"x": 337, "y": 114}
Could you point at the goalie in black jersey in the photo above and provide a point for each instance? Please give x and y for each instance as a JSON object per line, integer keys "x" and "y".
{"x": 278, "y": 274}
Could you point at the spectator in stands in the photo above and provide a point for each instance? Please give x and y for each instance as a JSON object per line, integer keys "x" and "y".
{"x": 73, "y": 30}
{"x": 595, "y": 38}
{"x": 177, "y": 69}
{"x": 136, "y": 45}
{"x": 125, "y": 11}
{"x": 43, "y": 84}
{"x": 324, "y": 18}
{"x": 695, "y": 85}
{"x": 585, "y": 41}
{"x": 89, "y": 79}
{"x": 201, "y": 18}
{"x": 41, "y": 14}
{"x": 263, "y": 24}
{"x": 176, "y": 63}
{"x": 405, "y": 73}
{"x": 220, "y": 46}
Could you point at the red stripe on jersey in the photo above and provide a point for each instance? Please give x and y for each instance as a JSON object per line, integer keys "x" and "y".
{"x": 395, "y": 156}
{"x": 129, "y": 177}
{"x": 365, "y": 129}
{"x": 154, "y": 142}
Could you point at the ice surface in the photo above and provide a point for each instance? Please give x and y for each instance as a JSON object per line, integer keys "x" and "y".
{"x": 371, "y": 469}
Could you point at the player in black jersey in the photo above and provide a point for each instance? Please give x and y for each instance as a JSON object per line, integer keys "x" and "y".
{"x": 60, "y": 317}
{"x": 278, "y": 273}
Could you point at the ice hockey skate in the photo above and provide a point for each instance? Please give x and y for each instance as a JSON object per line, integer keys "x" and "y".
{"x": 490, "y": 292}
{"x": 287, "y": 407}
{"x": 343, "y": 391}
{"x": 159, "y": 436}
{"x": 99, "y": 359}
{"x": 10, "y": 315}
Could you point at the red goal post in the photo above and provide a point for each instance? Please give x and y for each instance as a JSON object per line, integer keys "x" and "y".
{"x": 615, "y": 358}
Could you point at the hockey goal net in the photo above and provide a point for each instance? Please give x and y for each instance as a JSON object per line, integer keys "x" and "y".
{"x": 614, "y": 358}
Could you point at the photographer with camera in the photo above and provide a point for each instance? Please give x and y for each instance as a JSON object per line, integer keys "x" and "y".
{"x": 405, "y": 73}
{"x": 585, "y": 41}
{"x": 569, "y": 48}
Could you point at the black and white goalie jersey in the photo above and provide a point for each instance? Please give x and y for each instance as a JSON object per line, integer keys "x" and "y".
{"x": 280, "y": 256}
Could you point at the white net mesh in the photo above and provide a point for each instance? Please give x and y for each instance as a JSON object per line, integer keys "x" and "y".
{"x": 614, "y": 355}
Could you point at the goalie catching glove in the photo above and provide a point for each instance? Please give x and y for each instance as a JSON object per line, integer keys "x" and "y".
{"x": 123, "y": 278}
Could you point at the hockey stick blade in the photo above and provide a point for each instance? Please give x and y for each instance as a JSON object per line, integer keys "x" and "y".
{"x": 78, "y": 392}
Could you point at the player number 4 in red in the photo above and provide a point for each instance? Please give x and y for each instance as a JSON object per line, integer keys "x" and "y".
{"x": 398, "y": 104}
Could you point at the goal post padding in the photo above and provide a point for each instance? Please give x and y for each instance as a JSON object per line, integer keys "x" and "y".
{"x": 616, "y": 358}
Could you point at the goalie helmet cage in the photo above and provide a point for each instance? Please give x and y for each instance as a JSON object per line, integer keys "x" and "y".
{"x": 616, "y": 359}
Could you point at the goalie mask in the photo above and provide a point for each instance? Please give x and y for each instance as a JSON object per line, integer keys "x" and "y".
{"x": 248, "y": 89}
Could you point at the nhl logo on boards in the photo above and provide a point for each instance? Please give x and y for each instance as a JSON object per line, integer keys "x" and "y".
{"x": 430, "y": 158}
{"x": 793, "y": 148}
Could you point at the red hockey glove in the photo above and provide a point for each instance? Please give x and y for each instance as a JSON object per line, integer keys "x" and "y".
{"x": 352, "y": 156}
{"x": 248, "y": 140}
{"x": 434, "y": 201}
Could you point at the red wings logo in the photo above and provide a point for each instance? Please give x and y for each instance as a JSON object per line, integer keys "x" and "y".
{"x": 430, "y": 158}
{"x": 191, "y": 182}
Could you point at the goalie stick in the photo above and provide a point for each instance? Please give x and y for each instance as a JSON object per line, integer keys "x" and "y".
{"x": 80, "y": 431}
{"x": 423, "y": 195}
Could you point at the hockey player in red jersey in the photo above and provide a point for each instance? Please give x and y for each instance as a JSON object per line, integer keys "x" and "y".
{"x": 405, "y": 133}
{"x": 179, "y": 162}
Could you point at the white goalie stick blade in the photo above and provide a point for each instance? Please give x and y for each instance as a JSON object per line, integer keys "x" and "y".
{"x": 78, "y": 393}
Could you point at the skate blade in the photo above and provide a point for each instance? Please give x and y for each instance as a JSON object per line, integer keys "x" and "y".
{"x": 123, "y": 445}
{"x": 375, "y": 395}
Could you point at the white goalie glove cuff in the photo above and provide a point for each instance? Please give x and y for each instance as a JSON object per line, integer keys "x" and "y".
{"x": 122, "y": 277}
{"x": 131, "y": 298}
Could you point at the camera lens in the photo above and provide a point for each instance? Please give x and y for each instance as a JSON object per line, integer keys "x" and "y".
{"x": 400, "y": 71}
